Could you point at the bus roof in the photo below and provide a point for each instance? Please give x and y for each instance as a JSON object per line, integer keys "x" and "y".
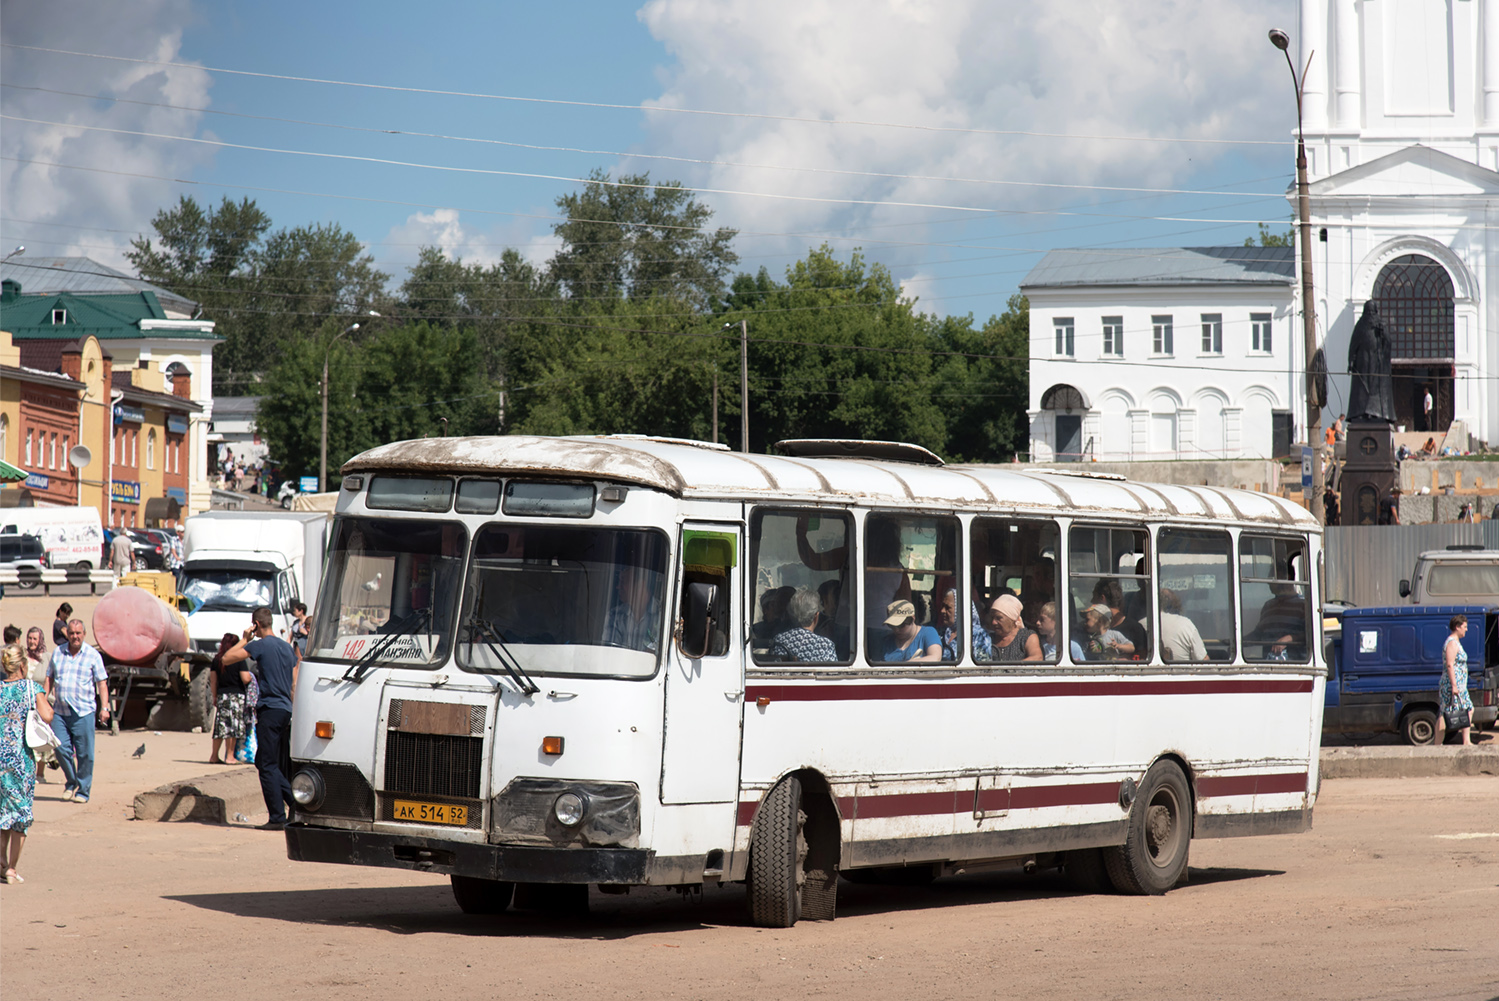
{"x": 701, "y": 470}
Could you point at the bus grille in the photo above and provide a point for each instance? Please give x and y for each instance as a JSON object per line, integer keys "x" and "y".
{"x": 432, "y": 764}
{"x": 348, "y": 794}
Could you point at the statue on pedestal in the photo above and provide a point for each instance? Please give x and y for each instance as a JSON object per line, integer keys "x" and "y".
{"x": 1371, "y": 391}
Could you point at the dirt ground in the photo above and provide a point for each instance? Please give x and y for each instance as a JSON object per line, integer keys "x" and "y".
{"x": 1385, "y": 898}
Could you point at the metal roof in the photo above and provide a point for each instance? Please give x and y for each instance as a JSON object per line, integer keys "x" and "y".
{"x": 83, "y": 275}
{"x": 1164, "y": 266}
{"x": 692, "y": 471}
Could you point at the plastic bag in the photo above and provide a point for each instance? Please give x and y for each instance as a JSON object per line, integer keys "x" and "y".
{"x": 246, "y": 750}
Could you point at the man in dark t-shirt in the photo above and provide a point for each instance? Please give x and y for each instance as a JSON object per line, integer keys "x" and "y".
{"x": 278, "y": 662}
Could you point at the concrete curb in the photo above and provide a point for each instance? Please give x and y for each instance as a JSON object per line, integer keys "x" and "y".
{"x": 1386, "y": 762}
{"x": 211, "y": 799}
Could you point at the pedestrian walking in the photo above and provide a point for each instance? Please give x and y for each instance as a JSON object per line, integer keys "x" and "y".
{"x": 60, "y": 624}
{"x": 36, "y": 669}
{"x": 278, "y": 663}
{"x": 121, "y": 554}
{"x": 1457, "y": 704}
{"x": 76, "y": 677}
{"x": 19, "y": 695}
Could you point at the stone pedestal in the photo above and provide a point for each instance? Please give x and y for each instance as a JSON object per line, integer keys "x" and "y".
{"x": 1369, "y": 471}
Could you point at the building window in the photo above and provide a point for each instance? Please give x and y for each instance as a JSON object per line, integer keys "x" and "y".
{"x": 1212, "y": 333}
{"x": 67, "y": 445}
{"x": 59, "y": 317}
{"x": 28, "y": 446}
{"x": 134, "y": 435}
{"x": 52, "y": 460}
{"x": 1062, "y": 326}
{"x": 1259, "y": 332}
{"x": 1160, "y": 335}
{"x": 151, "y": 449}
{"x": 1113, "y": 337}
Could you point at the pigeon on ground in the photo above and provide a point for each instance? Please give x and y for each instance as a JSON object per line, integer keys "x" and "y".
{"x": 139, "y": 752}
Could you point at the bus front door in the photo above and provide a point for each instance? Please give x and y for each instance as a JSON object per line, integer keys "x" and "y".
{"x": 704, "y": 696}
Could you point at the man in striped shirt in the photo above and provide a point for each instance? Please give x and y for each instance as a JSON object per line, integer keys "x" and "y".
{"x": 76, "y": 676}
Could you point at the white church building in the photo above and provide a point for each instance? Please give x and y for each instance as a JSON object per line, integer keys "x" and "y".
{"x": 1198, "y": 352}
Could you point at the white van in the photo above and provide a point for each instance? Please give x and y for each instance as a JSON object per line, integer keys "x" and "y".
{"x": 1457, "y": 575}
{"x": 71, "y": 536}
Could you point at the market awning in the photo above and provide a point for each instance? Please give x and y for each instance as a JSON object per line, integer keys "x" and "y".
{"x": 10, "y": 474}
{"x": 163, "y": 509}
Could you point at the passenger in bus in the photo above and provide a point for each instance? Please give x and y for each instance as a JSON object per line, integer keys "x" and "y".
{"x": 1012, "y": 640}
{"x": 1046, "y": 630}
{"x": 634, "y": 619}
{"x": 801, "y": 642}
{"x": 1180, "y": 640}
{"x": 1100, "y": 640}
{"x": 906, "y": 640}
{"x": 1109, "y": 592}
{"x": 773, "y": 620}
{"x": 828, "y": 593}
{"x": 1039, "y": 585}
{"x": 947, "y": 619}
{"x": 1282, "y": 623}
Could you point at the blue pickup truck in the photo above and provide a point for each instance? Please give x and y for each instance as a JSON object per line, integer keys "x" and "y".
{"x": 1384, "y": 665}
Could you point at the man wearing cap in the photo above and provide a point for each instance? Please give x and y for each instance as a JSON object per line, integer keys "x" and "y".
{"x": 907, "y": 641}
{"x": 1012, "y": 640}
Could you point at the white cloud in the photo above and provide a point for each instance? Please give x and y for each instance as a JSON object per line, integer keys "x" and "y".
{"x": 1086, "y": 68}
{"x": 444, "y": 229}
{"x": 85, "y": 204}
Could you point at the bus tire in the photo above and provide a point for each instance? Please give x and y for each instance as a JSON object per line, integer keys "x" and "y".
{"x": 1086, "y": 872}
{"x": 199, "y": 709}
{"x": 778, "y": 847}
{"x": 1154, "y": 854}
{"x": 1419, "y": 727}
{"x": 481, "y": 896}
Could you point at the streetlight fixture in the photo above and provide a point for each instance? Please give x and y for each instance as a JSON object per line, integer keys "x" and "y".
{"x": 322, "y": 465}
{"x": 15, "y": 253}
{"x": 1282, "y": 41}
{"x": 743, "y": 383}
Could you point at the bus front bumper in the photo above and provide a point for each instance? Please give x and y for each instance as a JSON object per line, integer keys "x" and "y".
{"x": 511, "y": 863}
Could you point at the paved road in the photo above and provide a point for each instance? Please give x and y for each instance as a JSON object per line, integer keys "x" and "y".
{"x": 1386, "y": 898}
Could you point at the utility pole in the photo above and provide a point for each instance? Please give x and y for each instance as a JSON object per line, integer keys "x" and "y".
{"x": 744, "y": 386}
{"x": 1282, "y": 41}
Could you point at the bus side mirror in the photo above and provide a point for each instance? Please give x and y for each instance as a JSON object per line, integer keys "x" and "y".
{"x": 696, "y": 636}
{"x": 1405, "y": 589}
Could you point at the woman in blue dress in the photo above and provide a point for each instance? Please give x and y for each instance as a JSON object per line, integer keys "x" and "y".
{"x": 18, "y": 696}
{"x": 1453, "y": 688}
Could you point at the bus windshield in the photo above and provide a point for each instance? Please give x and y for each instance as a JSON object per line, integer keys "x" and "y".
{"x": 568, "y": 600}
{"x": 389, "y": 576}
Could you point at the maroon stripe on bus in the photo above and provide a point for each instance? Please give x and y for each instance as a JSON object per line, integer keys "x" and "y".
{"x": 1250, "y": 785}
{"x": 1023, "y": 690}
{"x": 930, "y": 804}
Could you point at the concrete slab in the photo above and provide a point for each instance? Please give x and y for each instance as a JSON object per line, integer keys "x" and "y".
{"x": 210, "y": 799}
{"x": 1403, "y": 762}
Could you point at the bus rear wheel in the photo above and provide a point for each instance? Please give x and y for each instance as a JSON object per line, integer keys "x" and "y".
{"x": 778, "y": 850}
{"x": 1154, "y": 854}
{"x": 481, "y": 896}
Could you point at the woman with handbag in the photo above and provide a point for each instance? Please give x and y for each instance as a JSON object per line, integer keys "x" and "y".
{"x": 36, "y": 664}
{"x": 19, "y": 699}
{"x": 226, "y": 691}
{"x": 1457, "y": 704}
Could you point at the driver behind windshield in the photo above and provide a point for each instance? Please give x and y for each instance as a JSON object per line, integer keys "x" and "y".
{"x": 635, "y": 615}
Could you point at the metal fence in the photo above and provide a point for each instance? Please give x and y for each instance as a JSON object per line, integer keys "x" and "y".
{"x": 1365, "y": 565}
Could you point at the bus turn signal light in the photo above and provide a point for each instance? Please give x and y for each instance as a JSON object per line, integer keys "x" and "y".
{"x": 325, "y": 729}
{"x": 551, "y": 745}
{"x": 762, "y": 701}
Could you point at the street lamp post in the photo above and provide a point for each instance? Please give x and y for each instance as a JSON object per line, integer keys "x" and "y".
{"x": 743, "y": 386}
{"x": 1282, "y": 41}
{"x": 322, "y": 464}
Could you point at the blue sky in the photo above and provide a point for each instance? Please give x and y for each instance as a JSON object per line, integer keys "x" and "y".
{"x": 953, "y": 141}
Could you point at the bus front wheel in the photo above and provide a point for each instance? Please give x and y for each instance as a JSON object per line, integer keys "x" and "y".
{"x": 778, "y": 849}
{"x": 1154, "y": 854}
{"x": 481, "y": 896}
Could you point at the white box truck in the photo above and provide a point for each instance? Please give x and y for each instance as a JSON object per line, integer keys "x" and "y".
{"x": 236, "y": 561}
{"x": 72, "y": 537}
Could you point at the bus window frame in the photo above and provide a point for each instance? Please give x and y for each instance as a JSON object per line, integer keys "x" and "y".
{"x": 984, "y": 522}
{"x": 1152, "y": 630}
{"x": 1312, "y": 619}
{"x": 1235, "y": 624}
{"x": 957, "y": 570}
{"x": 751, "y": 600}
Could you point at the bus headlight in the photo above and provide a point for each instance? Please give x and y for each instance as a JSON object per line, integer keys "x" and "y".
{"x": 307, "y": 789}
{"x": 570, "y": 808}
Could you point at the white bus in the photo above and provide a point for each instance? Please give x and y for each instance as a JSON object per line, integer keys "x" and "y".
{"x": 544, "y": 663}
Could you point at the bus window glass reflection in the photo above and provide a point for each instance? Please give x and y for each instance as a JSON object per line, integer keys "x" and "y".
{"x": 1014, "y": 557}
{"x": 1109, "y": 586}
{"x": 910, "y": 568}
{"x": 1196, "y": 595}
{"x": 1276, "y": 598}
{"x": 809, "y": 551}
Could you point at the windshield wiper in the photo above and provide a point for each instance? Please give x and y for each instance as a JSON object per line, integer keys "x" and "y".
{"x": 398, "y": 630}
{"x": 487, "y": 634}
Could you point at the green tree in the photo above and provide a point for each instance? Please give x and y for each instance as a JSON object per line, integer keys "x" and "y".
{"x": 1269, "y": 239}
{"x": 637, "y": 239}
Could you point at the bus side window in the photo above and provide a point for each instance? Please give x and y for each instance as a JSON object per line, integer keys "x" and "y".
{"x": 709, "y": 558}
{"x": 1196, "y": 595}
{"x": 1109, "y": 585}
{"x": 801, "y": 566}
{"x": 1276, "y": 600}
{"x": 1009, "y": 556}
{"x": 911, "y": 564}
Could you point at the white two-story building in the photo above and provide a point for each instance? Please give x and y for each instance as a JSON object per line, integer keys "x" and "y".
{"x": 1401, "y": 111}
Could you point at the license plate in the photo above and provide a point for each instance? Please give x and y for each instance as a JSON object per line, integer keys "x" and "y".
{"x": 430, "y": 813}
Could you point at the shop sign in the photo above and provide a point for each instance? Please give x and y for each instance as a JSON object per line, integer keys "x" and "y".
{"x": 37, "y": 481}
{"x": 125, "y": 412}
{"x": 176, "y": 425}
{"x": 125, "y": 492}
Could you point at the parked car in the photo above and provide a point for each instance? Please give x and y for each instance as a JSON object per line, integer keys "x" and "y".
{"x": 150, "y": 553}
{"x": 25, "y": 554}
{"x": 1384, "y": 665}
{"x": 1457, "y": 575}
{"x": 287, "y": 495}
